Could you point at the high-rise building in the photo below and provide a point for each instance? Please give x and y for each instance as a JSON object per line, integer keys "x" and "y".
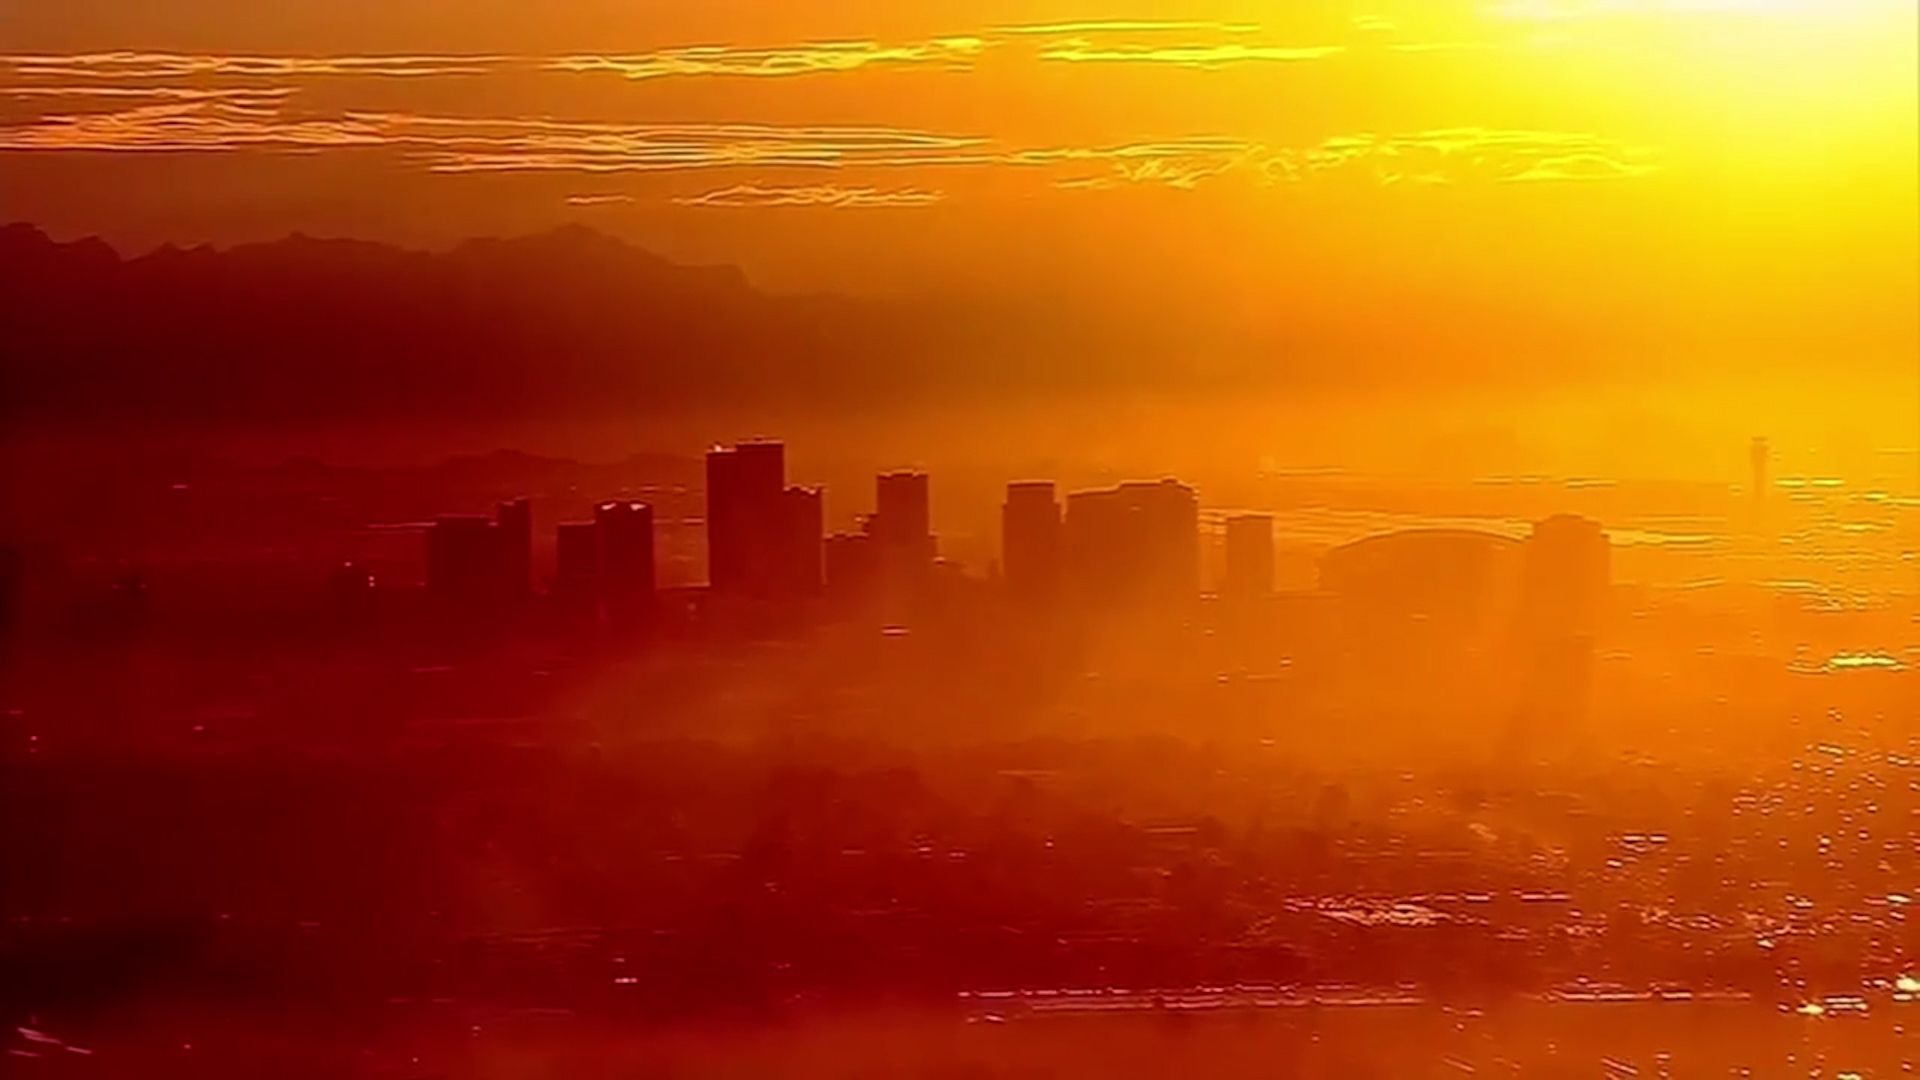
{"x": 576, "y": 569}
{"x": 478, "y": 561}
{"x": 902, "y": 509}
{"x": 1249, "y": 571}
{"x": 576, "y": 556}
{"x": 463, "y": 559}
{"x": 514, "y": 523}
{"x": 763, "y": 538}
{"x": 795, "y": 556}
{"x": 744, "y": 485}
{"x": 1030, "y": 539}
{"x": 1136, "y": 541}
{"x": 1565, "y": 576}
{"x": 852, "y": 567}
{"x": 901, "y": 524}
{"x": 625, "y": 556}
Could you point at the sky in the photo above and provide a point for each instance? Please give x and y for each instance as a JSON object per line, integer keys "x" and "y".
{"x": 1511, "y": 189}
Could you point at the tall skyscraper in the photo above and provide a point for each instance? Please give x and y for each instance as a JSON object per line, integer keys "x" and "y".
{"x": 796, "y": 556}
{"x": 1136, "y": 541}
{"x": 902, "y": 513}
{"x": 576, "y": 569}
{"x": 625, "y": 556}
{"x": 463, "y": 559}
{"x": 902, "y": 521}
{"x": 514, "y": 523}
{"x": 1566, "y": 573}
{"x": 478, "y": 561}
{"x": 743, "y": 489}
{"x": 744, "y": 485}
{"x": 1249, "y": 570}
{"x": 1030, "y": 539}
{"x": 576, "y": 556}
{"x": 763, "y": 538}
{"x": 852, "y": 569}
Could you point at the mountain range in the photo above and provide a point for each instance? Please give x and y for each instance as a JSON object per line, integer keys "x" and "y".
{"x": 311, "y": 329}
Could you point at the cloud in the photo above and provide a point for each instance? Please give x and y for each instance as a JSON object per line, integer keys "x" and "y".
{"x": 691, "y": 60}
{"x": 1176, "y": 163}
{"x": 1451, "y": 155}
{"x": 1584, "y": 167}
{"x": 185, "y": 120}
{"x": 202, "y": 125}
{"x": 1126, "y": 26}
{"x": 826, "y": 195}
{"x": 1215, "y": 44}
{"x": 804, "y": 59}
{"x": 598, "y": 198}
{"x": 166, "y": 65}
{"x": 152, "y": 93}
{"x": 1082, "y": 51}
{"x": 479, "y": 144}
{"x": 495, "y": 145}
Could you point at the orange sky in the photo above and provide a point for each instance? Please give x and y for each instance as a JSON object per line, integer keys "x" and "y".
{"x": 1719, "y": 184}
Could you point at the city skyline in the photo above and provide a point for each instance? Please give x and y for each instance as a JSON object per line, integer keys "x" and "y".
{"x": 490, "y": 556}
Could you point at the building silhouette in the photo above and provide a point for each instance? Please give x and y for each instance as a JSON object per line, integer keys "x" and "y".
{"x": 1249, "y": 562}
{"x": 763, "y": 538}
{"x": 852, "y": 568}
{"x": 1030, "y": 539}
{"x": 463, "y": 559}
{"x": 576, "y": 569}
{"x": 475, "y": 561}
{"x": 514, "y": 523}
{"x": 744, "y": 483}
{"x": 624, "y": 574}
{"x": 1139, "y": 541}
{"x": 1566, "y": 576}
{"x": 576, "y": 557}
{"x": 901, "y": 525}
{"x": 796, "y": 557}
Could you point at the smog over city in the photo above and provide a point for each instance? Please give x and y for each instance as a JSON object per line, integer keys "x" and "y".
{"x": 1032, "y": 538}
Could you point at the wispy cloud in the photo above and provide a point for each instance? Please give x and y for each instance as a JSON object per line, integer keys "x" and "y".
{"x": 184, "y": 120}
{"x": 1129, "y": 26}
{"x": 820, "y": 195}
{"x": 1215, "y": 44}
{"x": 803, "y": 59}
{"x": 485, "y": 145}
{"x": 598, "y": 198}
{"x": 1450, "y": 155}
{"x": 1175, "y": 163}
{"x": 1215, "y": 55}
{"x": 1584, "y": 167}
{"x": 167, "y": 65}
{"x": 475, "y": 144}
